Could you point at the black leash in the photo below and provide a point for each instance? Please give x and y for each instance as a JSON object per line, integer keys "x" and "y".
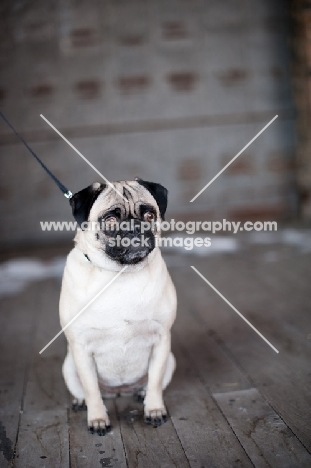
{"x": 65, "y": 191}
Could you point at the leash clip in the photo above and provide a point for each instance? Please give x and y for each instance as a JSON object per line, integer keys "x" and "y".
{"x": 68, "y": 194}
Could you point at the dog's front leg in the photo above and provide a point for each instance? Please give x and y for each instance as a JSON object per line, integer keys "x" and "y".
{"x": 97, "y": 416}
{"x": 154, "y": 409}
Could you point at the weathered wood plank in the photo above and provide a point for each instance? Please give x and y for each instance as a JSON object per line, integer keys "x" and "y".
{"x": 146, "y": 446}
{"x": 220, "y": 373}
{"x": 17, "y": 319}
{"x": 285, "y": 391}
{"x": 205, "y": 434}
{"x": 280, "y": 385}
{"x": 216, "y": 352}
{"x": 264, "y": 435}
{"x": 287, "y": 298}
{"x": 44, "y": 433}
{"x": 88, "y": 450}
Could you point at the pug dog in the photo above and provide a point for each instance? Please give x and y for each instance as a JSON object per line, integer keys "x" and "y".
{"x": 121, "y": 343}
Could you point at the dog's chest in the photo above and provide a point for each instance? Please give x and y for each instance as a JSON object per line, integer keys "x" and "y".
{"x": 123, "y": 337}
{"x": 118, "y": 319}
{"x": 131, "y": 312}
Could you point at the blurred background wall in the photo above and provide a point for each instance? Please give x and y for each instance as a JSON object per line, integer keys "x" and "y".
{"x": 162, "y": 89}
{"x": 300, "y": 34}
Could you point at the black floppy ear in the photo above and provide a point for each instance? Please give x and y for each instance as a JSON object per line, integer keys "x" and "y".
{"x": 81, "y": 202}
{"x": 158, "y": 192}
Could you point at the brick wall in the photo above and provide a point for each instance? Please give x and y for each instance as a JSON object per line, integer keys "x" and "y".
{"x": 169, "y": 91}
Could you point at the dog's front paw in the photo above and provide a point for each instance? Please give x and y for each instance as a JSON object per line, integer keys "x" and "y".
{"x": 100, "y": 426}
{"x": 98, "y": 419}
{"x": 156, "y": 417}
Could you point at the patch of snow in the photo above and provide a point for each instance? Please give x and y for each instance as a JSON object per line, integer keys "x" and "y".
{"x": 218, "y": 245}
{"x": 262, "y": 237}
{"x": 301, "y": 239}
{"x": 16, "y": 274}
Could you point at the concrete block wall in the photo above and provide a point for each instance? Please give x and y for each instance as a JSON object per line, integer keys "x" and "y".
{"x": 163, "y": 89}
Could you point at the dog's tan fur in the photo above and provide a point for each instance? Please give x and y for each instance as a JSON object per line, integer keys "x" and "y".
{"x": 122, "y": 341}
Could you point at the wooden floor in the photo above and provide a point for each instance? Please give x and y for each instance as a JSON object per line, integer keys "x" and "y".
{"x": 233, "y": 401}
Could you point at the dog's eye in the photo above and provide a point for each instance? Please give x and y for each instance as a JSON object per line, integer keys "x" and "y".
{"x": 110, "y": 221}
{"x": 149, "y": 216}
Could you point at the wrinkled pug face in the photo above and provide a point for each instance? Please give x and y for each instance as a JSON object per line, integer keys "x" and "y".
{"x": 122, "y": 229}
